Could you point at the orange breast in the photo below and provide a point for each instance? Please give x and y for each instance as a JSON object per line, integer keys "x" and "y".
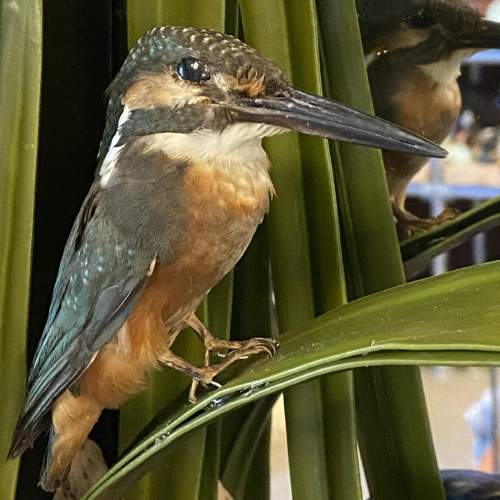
{"x": 223, "y": 209}
{"x": 425, "y": 107}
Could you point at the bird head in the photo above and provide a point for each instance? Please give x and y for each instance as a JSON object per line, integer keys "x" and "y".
{"x": 210, "y": 91}
{"x": 441, "y": 33}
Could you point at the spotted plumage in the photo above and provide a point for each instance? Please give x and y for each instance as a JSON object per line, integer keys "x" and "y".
{"x": 181, "y": 184}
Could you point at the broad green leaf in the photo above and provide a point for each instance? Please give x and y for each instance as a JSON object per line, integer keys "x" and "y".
{"x": 418, "y": 251}
{"x": 20, "y": 71}
{"x": 449, "y": 319}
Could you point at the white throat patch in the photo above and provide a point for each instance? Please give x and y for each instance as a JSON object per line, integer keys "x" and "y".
{"x": 448, "y": 70}
{"x": 237, "y": 144}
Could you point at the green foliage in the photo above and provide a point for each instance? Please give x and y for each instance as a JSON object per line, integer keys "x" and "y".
{"x": 418, "y": 251}
{"x": 457, "y": 325}
{"x": 20, "y": 53}
{"x": 409, "y": 468}
{"x": 348, "y": 370}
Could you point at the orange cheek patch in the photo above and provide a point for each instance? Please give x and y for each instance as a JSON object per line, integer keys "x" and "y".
{"x": 249, "y": 83}
{"x": 253, "y": 88}
{"x": 154, "y": 90}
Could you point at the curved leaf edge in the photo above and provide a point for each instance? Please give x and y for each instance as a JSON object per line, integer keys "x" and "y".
{"x": 419, "y": 250}
{"x": 154, "y": 448}
{"x": 303, "y": 357}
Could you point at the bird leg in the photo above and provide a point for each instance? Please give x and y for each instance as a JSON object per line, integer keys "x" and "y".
{"x": 207, "y": 373}
{"x": 203, "y": 375}
{"x": 238, "y": 350}
{"x": 409, "y": 224}
{"x": 212, "y": 343}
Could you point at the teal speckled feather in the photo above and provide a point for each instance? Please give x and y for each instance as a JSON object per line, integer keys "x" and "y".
{"x": 99, "y": 281}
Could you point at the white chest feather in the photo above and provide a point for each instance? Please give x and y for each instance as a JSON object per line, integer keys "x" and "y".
{"x": 447, "y": 70}
{"x": 237, "y": 147}
{"x": 236, "y": 152}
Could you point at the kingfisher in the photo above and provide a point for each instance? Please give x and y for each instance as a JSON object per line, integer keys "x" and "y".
{"x": 413, "y": 56}
{"x": 182, "y": 183}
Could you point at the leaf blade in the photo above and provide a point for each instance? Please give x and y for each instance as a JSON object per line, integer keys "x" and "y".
{"x": 20, "y": 73}
{"x": 343, "y": 339}
{"x": 372, "y": 246}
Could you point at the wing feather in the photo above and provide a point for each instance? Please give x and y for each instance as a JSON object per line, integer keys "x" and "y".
{"x": 122, "y": 228}
{"x": 99, "y": 281}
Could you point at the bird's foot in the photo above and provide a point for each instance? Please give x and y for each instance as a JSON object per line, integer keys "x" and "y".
{"x": 206, "y": 374}
{"x": 409, "y": 225}
{"x": 214, "y": 345}
{"x": 238, "y": 350}
{"x": 447, "y": 214}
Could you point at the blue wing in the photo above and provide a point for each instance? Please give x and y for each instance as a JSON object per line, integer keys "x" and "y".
{"x": 100, "y": 278}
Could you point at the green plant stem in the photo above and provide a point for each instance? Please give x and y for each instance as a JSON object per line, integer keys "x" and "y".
{"x": 242, "y": 455}
{"x": 265, "y": 28}
{"x": 219, "y": 304}
{"x": 237, "y": 471}
{"x": 145, "y": 14}
{"x": 326, "y": 258}
{"x": 20, "y": 76}
{"x": 212, "y": 462}
{"x": 259, "y": 479}
{"x": 409, "y": 469}
{"x": 418, "y": 251}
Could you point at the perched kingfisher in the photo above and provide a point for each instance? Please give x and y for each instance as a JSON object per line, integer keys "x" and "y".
{"x": 413, "y": 56}
{"x": 181, "y": 184}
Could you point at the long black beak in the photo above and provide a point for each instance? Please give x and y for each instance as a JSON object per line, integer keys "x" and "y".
{"x": 315, "y": 115}
{"x": 485, "y": 36}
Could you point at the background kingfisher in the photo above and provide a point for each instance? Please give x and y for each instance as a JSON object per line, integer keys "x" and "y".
{"x": 413, "y": 56}
{"x": 182, "y": 183}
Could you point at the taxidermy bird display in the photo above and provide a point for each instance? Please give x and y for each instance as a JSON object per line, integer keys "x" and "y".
{"x": 181, "y": 185}
{"x": 413, "y": 55}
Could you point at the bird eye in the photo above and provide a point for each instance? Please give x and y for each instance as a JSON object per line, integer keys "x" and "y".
{"x": 420, "y": 20}
{"x": 193, "y": 70}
